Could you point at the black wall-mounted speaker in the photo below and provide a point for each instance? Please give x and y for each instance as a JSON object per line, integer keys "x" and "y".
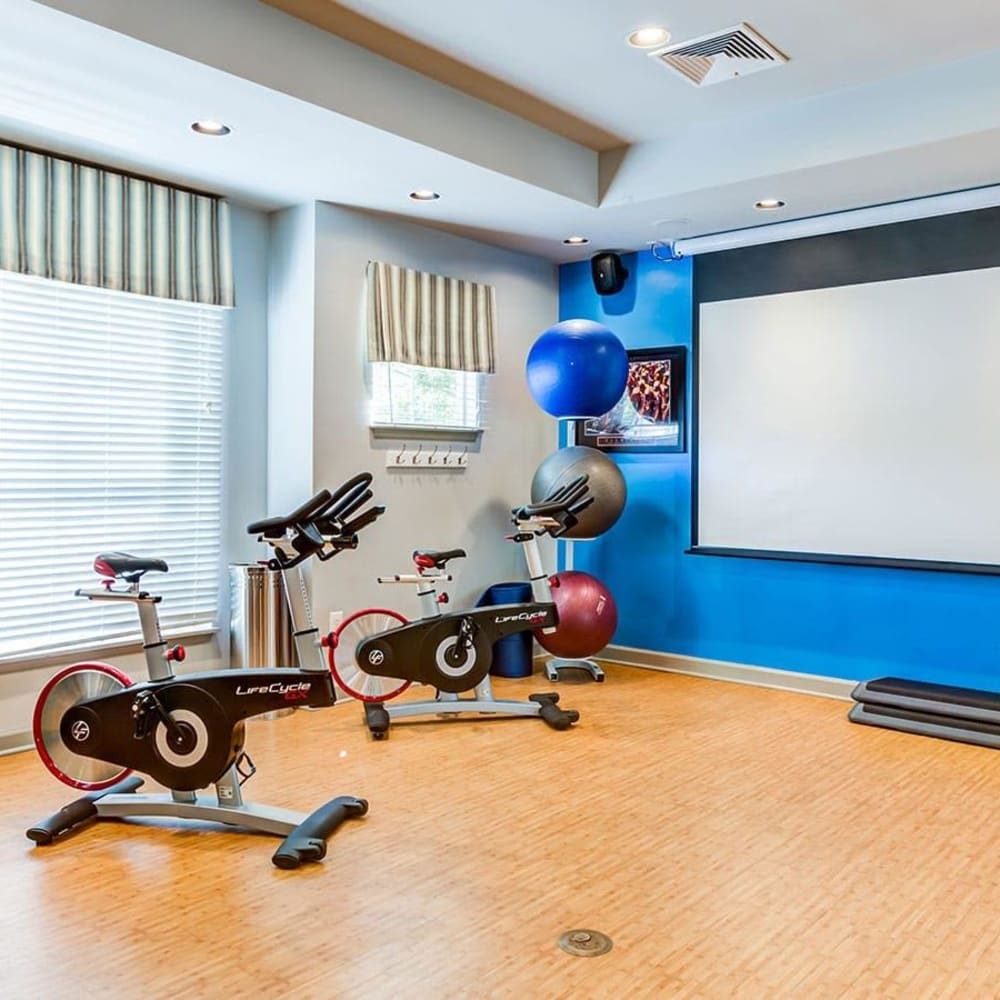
{"x": 608, "y": 272}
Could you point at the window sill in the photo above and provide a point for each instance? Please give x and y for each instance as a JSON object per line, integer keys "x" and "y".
{"x": 414, "y": 432}
{"x": 113, "y": 647}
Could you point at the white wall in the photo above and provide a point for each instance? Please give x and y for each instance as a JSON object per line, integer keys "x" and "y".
{"x": 244, "y": 468}
{"x": 290, "y": 325}
{"x": 441, "y": 509}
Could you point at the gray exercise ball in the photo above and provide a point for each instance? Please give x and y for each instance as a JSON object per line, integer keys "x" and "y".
{"x": 607, "y": 486}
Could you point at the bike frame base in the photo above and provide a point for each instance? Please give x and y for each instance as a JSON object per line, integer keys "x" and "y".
{"x": 304, "y": 834}
{"x": 260, "y": 819}
{"x": 482, "y": 702}
{"x": 553, "y": 666}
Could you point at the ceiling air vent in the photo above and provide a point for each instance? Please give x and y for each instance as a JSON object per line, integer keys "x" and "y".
{"x": 723, "y": 55}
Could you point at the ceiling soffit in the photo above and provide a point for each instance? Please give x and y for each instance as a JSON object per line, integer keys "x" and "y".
{"x": 383, "y": 41}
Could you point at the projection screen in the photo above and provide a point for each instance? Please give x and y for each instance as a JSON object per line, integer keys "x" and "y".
{"x": 859, "y": 421}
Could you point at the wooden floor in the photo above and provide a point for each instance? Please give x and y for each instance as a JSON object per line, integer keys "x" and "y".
{"x": 733, "y": 841}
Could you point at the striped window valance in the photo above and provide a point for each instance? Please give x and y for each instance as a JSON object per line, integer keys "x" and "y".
{"x": 426, "y": 319}
{"x": 83, "y": 224}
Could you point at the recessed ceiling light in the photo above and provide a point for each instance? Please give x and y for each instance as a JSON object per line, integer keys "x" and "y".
{"x": 209, "y": 127}
{"x": 768, "y": 204}
{"x": 575, "y": 241}
{"x": 648, "y": 37}
{"x": 424, "y": 195}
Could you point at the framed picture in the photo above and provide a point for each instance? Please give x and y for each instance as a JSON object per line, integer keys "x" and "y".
{"x": 650, "y": 414}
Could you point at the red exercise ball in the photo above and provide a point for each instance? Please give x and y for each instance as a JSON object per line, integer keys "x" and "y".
{"x": 587, "y": 616}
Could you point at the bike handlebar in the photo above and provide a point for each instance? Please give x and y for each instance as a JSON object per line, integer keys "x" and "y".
{"x": 346, "y": 499}
{"x": 562, "y": 504}
{"x": 318, "y": 527}
{"x": 363, "y": 520}
{"x": 277, "y": 525}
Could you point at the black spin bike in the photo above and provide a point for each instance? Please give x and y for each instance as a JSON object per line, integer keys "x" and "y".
{"x": 93, "y": 725}
{"x": 376, "y": 654}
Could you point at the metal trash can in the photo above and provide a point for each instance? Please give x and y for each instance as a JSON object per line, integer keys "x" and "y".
{"x": 260, "y": 627}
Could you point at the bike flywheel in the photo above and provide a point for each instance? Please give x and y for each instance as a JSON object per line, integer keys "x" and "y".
{"x": 66, "y": 689}
{"x": 365, "y": 685}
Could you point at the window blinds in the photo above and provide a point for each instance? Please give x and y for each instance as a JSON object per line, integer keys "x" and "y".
{"x": 110, "y": 438}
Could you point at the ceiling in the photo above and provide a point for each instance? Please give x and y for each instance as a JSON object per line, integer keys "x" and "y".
{"x": 534, "y": 120}
{"x": 570, "y": 52}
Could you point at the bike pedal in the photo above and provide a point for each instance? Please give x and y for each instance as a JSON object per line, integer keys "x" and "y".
{"x": 244, "y": 761}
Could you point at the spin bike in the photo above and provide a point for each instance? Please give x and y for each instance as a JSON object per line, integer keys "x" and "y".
{"x": 375, "y": 654}
{"x": 93, "y": 725}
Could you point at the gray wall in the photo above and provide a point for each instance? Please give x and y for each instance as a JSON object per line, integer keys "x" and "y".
{"x": 290, "y": 324}
{"x": 297, "y": 413}
{"x": 246, "y": 430}
{"x": 469, "y": 509}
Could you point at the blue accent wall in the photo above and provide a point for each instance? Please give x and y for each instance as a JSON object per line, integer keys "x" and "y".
{"x": 853, "y": 622}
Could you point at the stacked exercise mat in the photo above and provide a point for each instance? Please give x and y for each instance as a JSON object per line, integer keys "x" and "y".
{"x": 951, "y": 713}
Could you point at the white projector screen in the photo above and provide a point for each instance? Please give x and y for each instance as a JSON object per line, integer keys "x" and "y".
{"x": 859, "y": 421}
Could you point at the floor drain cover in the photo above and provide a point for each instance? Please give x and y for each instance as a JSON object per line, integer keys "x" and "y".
{"x": 584, "y": 943}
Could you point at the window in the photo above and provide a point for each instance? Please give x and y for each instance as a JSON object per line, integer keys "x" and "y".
{"x": 415, "y": 396}
{"x": 110, "y": 439}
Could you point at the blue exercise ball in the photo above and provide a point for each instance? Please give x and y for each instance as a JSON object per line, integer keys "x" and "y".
{"x": 577, "y": 369}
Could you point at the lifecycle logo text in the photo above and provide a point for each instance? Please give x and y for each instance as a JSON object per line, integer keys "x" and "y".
{"x": 296, "y": 691}
{"x": 524, "y": 616}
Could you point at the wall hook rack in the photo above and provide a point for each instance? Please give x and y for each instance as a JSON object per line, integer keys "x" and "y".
{"x": 448, "y": 461}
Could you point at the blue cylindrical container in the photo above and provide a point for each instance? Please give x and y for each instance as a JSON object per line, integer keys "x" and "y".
{"x": 511, "y": 654}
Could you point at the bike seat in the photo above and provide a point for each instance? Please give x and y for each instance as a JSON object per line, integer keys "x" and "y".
{"x": 432, "y": 558}
{"x": 121, "y": 564}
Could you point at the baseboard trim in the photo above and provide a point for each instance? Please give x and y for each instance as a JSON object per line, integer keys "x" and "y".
{"x": 15, "y": 743}
{"x": 736, "y": 673}
{"x": 647, "y": 659}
